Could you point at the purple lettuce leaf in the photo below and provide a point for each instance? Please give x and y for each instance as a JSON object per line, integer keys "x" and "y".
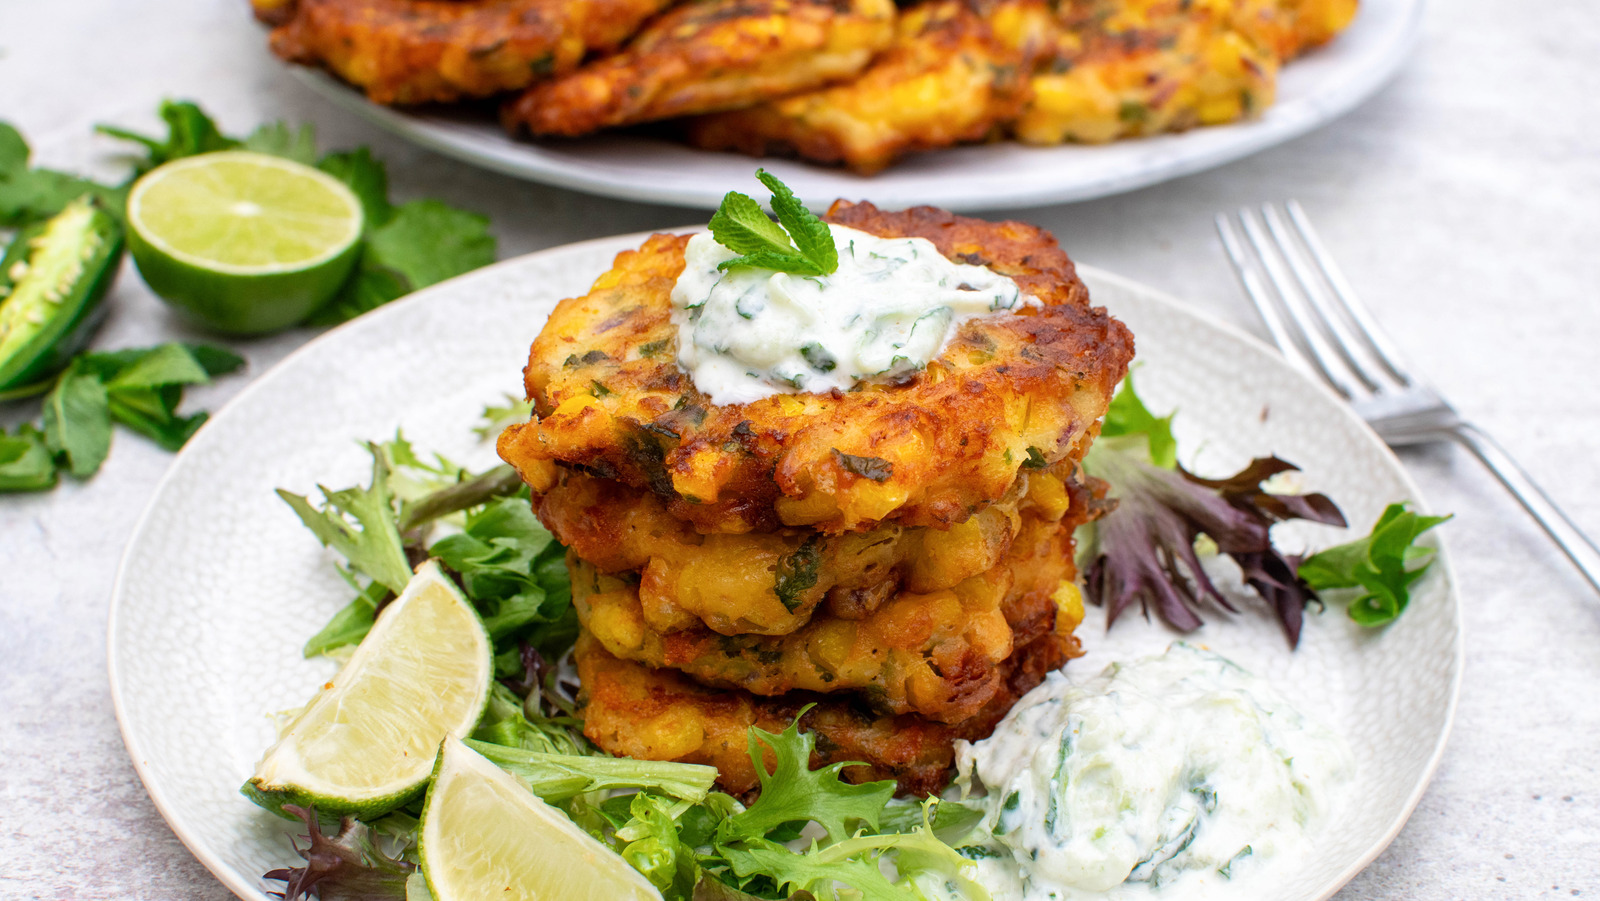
{"x": 346, "y": 867}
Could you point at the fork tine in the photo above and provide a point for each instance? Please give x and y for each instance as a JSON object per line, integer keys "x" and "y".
{"x": 1283, "y": 284}
{"x": 1233, "y": 244}
{"x": 1343, "y": 341}
{"x": 1361, "y": 317}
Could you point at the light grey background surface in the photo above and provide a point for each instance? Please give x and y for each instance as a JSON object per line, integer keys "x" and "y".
{"x": 1464, "y": 201}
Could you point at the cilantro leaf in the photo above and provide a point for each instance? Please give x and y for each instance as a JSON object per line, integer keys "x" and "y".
{"x": 1383, "y": 565}
{"x": 278, "y": 139}
{"x": 422, "y": 243}
{"x": 25, "y": 461}
{"x": 367, "y": 177}
{"x": 810, "y": 233}
{"x": 743, "y": 227}
{"x": 190, "y": 132}
{"x": 361, "y": 524}
{"x": 793, "y": 792}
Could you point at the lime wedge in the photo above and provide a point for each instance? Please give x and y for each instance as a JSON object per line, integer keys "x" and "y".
{"x": 484, "y": 835}
{"x": 245, "y": 242}
{"x": 366, "y": 743}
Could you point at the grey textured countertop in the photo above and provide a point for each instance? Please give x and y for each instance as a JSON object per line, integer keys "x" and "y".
{"x": 1463, "y": 200}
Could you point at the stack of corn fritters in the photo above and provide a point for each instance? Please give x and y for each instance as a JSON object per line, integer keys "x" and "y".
{"x": 898, "y": 555}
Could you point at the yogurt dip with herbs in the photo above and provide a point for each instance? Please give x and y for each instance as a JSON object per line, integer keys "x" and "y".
{"x": 890, "y": 308}
{"x": 1180, "y": 769}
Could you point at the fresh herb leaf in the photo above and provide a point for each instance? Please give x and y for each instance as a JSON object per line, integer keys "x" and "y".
{"x": 797, "y": 573}
{"x": 810, "y": 233}
{"x": 427, "y": 242}
{"x": 793, "y": 792}
{"x": 190, "y": 132}
{"x": 279, "y": 139}
{"x": 743, "y": 227}
{"x": 361, "y": 524}
{"x": 77, "y": 421}
{"x": 875, "y": 468}
{"x": 168, "y": 364}
{"x": 1384, "y": 565}
{"x": 365, "y": 176}
{"x": 25, "y": 461}
{"x": 29, "y": 195}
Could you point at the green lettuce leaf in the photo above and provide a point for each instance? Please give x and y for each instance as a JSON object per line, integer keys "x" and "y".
{"x": 793, "y": 792}
{"x": 1383, "y": 565}
{"x": 361, "y": 524}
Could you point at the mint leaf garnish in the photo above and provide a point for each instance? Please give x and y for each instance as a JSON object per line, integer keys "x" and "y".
{"x": 743, "y": 227}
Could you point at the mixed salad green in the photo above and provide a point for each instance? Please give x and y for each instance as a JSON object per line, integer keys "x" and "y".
{"x": 808, "y": 833}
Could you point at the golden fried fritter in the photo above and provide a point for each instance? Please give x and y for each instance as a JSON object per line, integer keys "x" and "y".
{"x": 764, "y": 583}
{"x": 1015, "y": 389}
{"x": 1142, "y": 67}
{"x": 948, "y": 78}
{"x": 427, "y": 51}
{"x": 711, "y": 55}
{"x": 936, "y": 654}
{"x": 634, "y": 711}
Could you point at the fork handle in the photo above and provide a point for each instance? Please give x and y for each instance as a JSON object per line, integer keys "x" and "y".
{"x": 1579, "y": 548}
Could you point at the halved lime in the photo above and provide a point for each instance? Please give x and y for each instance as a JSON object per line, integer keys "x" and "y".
{"x": 366, "y": 743}
{"x": 484, "y": 835}
{"x": 245, "y": 242}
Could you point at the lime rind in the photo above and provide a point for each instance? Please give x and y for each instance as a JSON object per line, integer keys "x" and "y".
{"x": 366, "y": 743}
{"x": 484, "y": 835}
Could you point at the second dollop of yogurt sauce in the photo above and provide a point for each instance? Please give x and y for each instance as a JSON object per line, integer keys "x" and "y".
{"x": 1177, "y": 769}
{"x": 888, "y": 310}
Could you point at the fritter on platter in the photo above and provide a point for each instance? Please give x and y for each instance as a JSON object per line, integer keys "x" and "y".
{"x": 1012, "y": 392}
{"x": 936, "y": 654}
{"x": 1125, "y": 68}
{"x": 711, "y": 55}
{"x": 441, "y": 51}
{"x": 634, "y": 711}
{"x": 954, "y": 74}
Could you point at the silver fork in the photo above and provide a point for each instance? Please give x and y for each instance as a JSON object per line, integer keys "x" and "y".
{"x": 1323, "y": 328}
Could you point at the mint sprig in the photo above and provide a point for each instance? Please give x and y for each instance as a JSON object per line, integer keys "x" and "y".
{"x": 798, "y": 243}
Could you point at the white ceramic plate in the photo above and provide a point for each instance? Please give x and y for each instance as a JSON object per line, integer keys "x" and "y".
{"x": 221, "y": 585}
{"x": 1312, "y": 92}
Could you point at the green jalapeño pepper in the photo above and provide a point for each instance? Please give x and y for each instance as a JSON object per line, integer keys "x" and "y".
{"x": 53, "y": 281}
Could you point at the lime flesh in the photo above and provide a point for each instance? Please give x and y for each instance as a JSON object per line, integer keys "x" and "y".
{"x": 245, "y": 242}
{"x": 366, "y": 743}
{"x": 484, "y": 835}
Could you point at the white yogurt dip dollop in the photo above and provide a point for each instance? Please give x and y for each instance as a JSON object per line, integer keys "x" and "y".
{"x": 890, "y": 308}
{"x": 1177, "y": 769}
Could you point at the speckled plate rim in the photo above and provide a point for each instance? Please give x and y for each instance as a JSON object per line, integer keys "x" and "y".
{"x": 248, "y": 886}
{"x": 1313, "y": 91}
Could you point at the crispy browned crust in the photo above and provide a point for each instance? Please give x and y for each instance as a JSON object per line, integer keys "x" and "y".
{"x": 710, "y": 55}
{"x": 936, "y": 654}
{"x": 427, "y": 51}
{"x": 730, "y": 583}
{"x": 634, "y": 711}
{"x": 948, "y": 78}
{"x": 609, "y": 397}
